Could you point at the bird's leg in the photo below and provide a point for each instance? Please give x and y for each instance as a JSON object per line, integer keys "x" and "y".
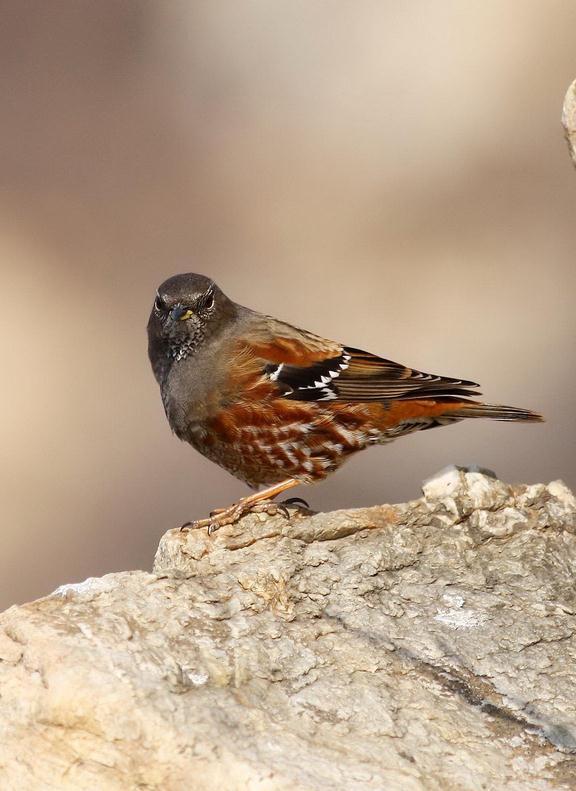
{"x": 257, "y": 502}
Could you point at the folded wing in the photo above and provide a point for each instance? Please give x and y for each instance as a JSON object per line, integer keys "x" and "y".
{"x": 305, "y": 367}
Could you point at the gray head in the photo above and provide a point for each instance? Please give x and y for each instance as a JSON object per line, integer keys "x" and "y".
{"x": 186, "y": 310}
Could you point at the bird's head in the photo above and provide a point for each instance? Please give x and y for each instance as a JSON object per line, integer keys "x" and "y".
{"x": 187, "y": 309}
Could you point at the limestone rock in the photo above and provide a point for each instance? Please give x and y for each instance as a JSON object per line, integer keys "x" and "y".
{"x": 428, "y": 645}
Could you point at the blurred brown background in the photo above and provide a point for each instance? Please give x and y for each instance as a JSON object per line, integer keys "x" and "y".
{"x": 388, "y": 174}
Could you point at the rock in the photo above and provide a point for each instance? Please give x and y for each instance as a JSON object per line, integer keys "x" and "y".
{"x": 569, "y": 120}
{"x": 428, "y": 645}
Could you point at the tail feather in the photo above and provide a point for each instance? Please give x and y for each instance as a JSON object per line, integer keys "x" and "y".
{"x": 495, "y": 412}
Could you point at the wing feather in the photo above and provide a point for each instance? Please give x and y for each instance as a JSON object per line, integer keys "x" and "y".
{"x": 302, "y": 366}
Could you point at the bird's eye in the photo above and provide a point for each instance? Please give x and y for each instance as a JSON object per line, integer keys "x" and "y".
{"x": 207, "y": 302}
{"x": 159, "y": 304}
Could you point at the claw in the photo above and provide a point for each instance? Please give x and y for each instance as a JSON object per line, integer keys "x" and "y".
{"x": 296, "y": 501}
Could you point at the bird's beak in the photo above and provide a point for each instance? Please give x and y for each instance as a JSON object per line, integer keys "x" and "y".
{"x": 180, "y": 313}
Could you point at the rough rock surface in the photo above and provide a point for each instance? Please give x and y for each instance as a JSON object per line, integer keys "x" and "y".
{"x": 428, "y": 645}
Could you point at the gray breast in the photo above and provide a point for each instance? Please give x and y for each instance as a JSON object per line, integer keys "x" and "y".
{"x": 191, "y": 392}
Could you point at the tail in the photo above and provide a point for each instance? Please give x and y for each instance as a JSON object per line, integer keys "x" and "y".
{"x": 512, "y": 414}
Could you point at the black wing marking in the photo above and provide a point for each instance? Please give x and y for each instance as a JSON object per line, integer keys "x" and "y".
{"x": 314, "y": 382}
{"x": 356, "y": 375}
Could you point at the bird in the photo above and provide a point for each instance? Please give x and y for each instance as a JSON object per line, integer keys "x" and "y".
{"x": 278, "y": 406}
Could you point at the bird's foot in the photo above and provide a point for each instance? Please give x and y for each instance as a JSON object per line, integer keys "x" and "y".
{"x": 228, "y": 516}
{"x": 260, "y": 502}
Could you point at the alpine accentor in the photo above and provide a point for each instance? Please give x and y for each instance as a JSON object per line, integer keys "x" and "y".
{"x": 279, "y": 406}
